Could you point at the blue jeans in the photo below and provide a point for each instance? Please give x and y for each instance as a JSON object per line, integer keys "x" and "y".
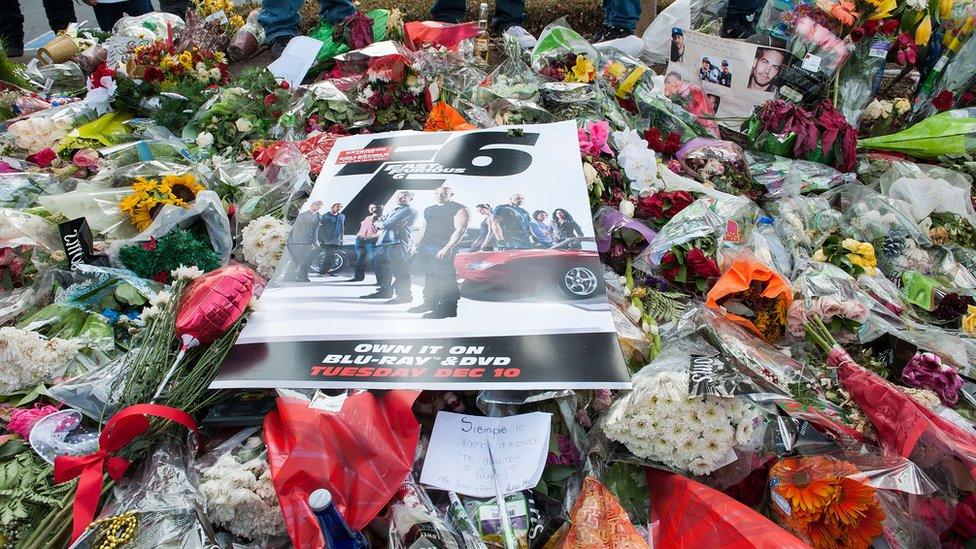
{"x": 108, "y": 15}
{"x": 621, "y": 13}
{"x": 280, "y": 17}
{"x": 508, "y": 13}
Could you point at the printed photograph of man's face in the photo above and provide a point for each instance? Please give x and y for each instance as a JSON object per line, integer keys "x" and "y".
{"x": 765, "y": 69}
{"x": 677, "y": 44}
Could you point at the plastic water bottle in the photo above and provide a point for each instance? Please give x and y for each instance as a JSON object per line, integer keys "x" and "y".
{"x": 336, "y": 532}
{"x": 777, "y": 251}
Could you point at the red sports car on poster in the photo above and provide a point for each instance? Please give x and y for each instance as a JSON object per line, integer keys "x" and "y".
{"x": 574, "y": 271}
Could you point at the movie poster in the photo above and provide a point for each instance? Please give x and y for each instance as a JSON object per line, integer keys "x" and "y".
{"x": 438, "y": 260}
{"x": 736, "y": 76}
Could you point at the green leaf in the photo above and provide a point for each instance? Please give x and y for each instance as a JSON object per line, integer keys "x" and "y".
{"x": 557, "y": 474}
{"x": 34, "y": 394}
{"x": 11, "y": 448}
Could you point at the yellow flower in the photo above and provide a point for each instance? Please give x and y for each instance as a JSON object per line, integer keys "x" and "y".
{"x": 149, "y": 194}
{"x": 819, "y": 255}
{"x": 945, "y": 8}
{"x": 236, "y": 21}
{"x": 186, "y": 59}
{"x": 617, "y": 69}
{"x": 583, "y": 71}
{"x": 219, "y": 57}
{"x": 969, "y": 321}
{"x": 924, "y": 31}
{"x": 882, "y": 8}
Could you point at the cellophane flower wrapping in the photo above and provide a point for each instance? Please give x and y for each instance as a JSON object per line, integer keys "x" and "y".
{"x": 235, "y": 483}
{"x": 721, "y": 164}
{"x": 852, "y": 498}
{"x": 675, "y": 419}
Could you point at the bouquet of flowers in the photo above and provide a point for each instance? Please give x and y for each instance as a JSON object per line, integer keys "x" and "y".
{"x": 263, "y": 243}
{"x": 721, "y": 164}
{"x": 164, "y": 64}
{"x": 691, "y": 265}
{"x": 511, "y": 79}
{"x": 786, "y": 178}
{"x": 515, "y": 112}
{"x": 851, "y": 256}
{"x": 562, "y": 55}
{"x": 786, "y": 129}
{"x": 705, "y": 431}
{"x": 826, "y": 501}
{"x": 622, "y": 76}
{"x": 603, "y": 176}
{"x": 754, "y": 296}
{"x": 235, "y": 115}
{"x": 236, "y": 484}
{"x": 691, "y": 98}
{"x": 819, "y": 54}
{"x": 832, "y": 296}
{"x": 882, "y": 117}
{"x": 151, "y": 193}
{"x": 394, "y": 93}
{"x": 658, "y": 207}
{"x": 322, "y": 107}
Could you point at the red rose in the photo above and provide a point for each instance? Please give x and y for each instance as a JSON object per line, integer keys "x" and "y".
{"x": 162, "y": 277}
{"x": 889, "y": 26}
{"x": 871, "y": 27}
{"x": 669, "y": 273}
{"x": 269, "y": 100}
{"x": 679, "y": 201}
{"x": 965, "y": 524}
{"x": 43, "y": 157}
{"x": 285, "y": 85}
{"x": 858, "y": 33}
{"x": 943, "y": 101}
{"x": 967, "y": 98}
{"x": 650, "y": 206}
{"x": 701, "y": 265}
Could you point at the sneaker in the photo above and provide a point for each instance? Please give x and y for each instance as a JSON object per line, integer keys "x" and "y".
{"x": 522, "y": 36}
{"x": 610, "y": 32}
{"x": 278, "y": 45}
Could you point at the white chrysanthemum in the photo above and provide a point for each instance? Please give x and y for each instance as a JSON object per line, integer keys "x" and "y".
{"x": 263, "y": 242}
{"x": 699, "y": 466}
{"x": 743, "y": 432}
{"x": 28, "y": 358}
{"x": 188, "y": 273}
{"x": 160, "y": 299}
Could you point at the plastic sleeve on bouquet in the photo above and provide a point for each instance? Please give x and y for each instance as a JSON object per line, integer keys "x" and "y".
{"x": 693, "y": 515}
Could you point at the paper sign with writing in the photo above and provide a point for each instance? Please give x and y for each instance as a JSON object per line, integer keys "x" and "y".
{"x": 298, "y": 57}
{"x": 458, "y": 458}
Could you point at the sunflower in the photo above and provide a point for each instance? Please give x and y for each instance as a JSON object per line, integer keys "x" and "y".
{"x": 803, "y": 484}
{"x": 149, "y": 195}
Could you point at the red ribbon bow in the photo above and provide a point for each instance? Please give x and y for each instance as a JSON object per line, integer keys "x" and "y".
{"x": 124, "y": 426}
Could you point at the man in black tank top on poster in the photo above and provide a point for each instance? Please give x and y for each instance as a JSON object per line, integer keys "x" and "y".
{"x": 444, "y": 226}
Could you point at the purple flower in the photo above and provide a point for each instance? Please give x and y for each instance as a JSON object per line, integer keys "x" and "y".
{"x": 926, "y": 371}
{"x": 568, "y": 454}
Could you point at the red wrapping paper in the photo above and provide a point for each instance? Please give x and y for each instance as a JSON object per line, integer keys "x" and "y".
{"x": 361, "y": 454}
{"x": 900, "y": 421}
{"x": 694, "y": 516}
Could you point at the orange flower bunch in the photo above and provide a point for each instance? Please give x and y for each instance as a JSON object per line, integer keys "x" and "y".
{"x": 815, "y": 496}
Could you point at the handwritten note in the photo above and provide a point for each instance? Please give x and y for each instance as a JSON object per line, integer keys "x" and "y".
{"x": 458, "y": 457}
{"x": 296, "y": 60}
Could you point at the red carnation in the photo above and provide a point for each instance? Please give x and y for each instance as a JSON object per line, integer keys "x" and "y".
{"x": 150, "y": 244}
{"x": 943, "y": 101}
{"x": 43, "y": 157}
{"x": 701, "y": 265}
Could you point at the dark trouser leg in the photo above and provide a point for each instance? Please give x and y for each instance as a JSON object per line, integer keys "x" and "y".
{"x": 371, "y": 253}
{"x": 448, "y": 291}
{"x": 301, "y": 258}
{"x": 401, "y": 271}
{"x": 425, "y": 260}
{"x": 448, "y": 11}
{"x": 360, "y": 258}
{"x": 384, "y": 275}
{"x": 176, "y": 7}
{"x": 334, "y": 11}
{"x": 12, "y": 24}
{"x": 59, "y": 13}
{"x": 508, "y": 13}
{"x": 108, "y": 15}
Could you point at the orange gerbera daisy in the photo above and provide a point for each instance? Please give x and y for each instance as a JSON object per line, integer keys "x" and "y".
{"x": 824, "y": 535}
{"x": 844, "y": 12}
{"x": 851, "y": 502}
{"x": 860, "y": 535}
{"x": 802, "y": 485}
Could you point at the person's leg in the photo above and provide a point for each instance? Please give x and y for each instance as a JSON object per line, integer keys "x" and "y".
{"x": 280, "y": 19}
{"x": 384, "y": 276}
{"x": 371, "y": 254}
{"x": 137, "y": 7}
{"x": 107, "y": 15}
{"x": 335, "y": 11}
{"x": 12, "y": 26}
{"x": 621, "y": 13}
{"x": 448, "y": 292}
{"x": 309, "y": 254}
{"x": 176, "y": 7}
{"x": 448, "y": 11}
{"x": 401, "y": 273}
{"x": 59, "y": 14}
{"x": 508, "y": 13}
{"x": 360, "y": 259}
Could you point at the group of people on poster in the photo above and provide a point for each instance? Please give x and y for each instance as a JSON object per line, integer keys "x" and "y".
{"x": 388, "y": 242}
